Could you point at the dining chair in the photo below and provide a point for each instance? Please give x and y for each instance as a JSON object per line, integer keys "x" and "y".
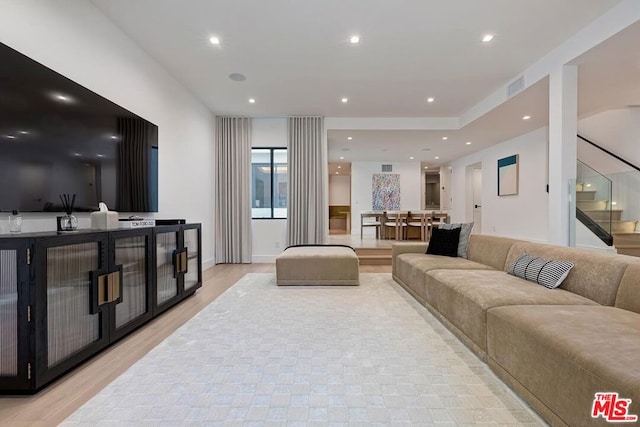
{"x": 396, "y": 220}
{"x": 371, "y": 219}
{"x": 418, "y": 219}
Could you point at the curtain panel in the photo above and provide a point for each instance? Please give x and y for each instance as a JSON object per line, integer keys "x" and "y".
{"x": 233, "y": 190}
{"x": 306, "y": 216}
{"x": 133, "y": 164}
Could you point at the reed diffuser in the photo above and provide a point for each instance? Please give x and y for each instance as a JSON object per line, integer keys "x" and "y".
{"x": 67, "y": 222}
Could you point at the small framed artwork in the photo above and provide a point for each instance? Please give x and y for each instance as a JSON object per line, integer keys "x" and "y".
{"x": 508, "y": 176}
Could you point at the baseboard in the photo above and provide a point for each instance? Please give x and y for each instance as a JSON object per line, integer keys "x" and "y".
{"x": 263, "y": 259}
{"x": 208, "y": 264}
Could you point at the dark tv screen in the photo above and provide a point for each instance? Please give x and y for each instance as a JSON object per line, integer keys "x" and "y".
{"x": 57, "y": 137}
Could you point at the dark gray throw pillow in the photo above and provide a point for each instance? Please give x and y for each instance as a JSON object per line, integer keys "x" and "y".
{"x": 465, "y": 233}
{"x": 444, "y": 242}
{"x": 547, "y": 273}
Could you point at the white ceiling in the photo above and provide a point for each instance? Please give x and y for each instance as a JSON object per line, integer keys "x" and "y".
{"x": 298, "y": 60}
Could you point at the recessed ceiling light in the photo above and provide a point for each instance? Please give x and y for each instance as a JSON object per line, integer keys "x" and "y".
{"x": 436, "y": 157}
{"x": 337, "y": 173}
{"x": 341, "y": 157}
{"x": 354, "y": 39}
{"x": 349, "y": 138}
{"x": 252, "y": 101}
{"x": 426, "y": 167}
{"x": 114, "y": 137}
{"x": 411, "y": 158}
{"x": 10, "y": 137}
{"x": 62, "y": 98}
{"x": 487, "y": 38}
{"x": 444, "y": 138}
{"x": 344, "y": 100}
{"x": 100, "y": 155}
{"x": 76, "y": 154}
{"x": 468, "y": 142}
{"x": 23, "y": 132}
{"x": 237, "y": 77}
{"x": 339, "y": 167}
{"x": 214, "y": 40}
{"x": 430, "y": 99}
{"x": 526, "y": 117}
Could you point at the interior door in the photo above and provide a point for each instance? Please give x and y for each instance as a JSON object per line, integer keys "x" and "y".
{"x": 477, "y": 200}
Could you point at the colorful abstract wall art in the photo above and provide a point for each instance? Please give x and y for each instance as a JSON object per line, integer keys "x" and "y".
{"x": 385, "y": 195}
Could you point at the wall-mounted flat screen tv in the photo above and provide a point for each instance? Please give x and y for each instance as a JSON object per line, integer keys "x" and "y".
{"x": 58, "y": 137}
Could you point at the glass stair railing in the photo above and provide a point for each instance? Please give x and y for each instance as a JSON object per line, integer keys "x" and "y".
{"x": 591, "y": 199}
{"x": 606, "y": 197}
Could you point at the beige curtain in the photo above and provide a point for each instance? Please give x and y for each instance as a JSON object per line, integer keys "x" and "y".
{"x": 307, "y": 163}
{"x": 233, "y": 190}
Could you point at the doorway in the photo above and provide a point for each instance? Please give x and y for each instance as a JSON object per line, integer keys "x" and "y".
{"x": 339, "y": 198}
{"x": 473, "y": 211}
{"x": 432, "y": 190}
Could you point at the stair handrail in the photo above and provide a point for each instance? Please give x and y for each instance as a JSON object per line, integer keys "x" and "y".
{"x": 626, "y": 162}
{"x": 595, "y": 228}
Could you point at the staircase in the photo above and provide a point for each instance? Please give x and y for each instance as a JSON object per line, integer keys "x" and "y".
{"x": 597, "y": 210}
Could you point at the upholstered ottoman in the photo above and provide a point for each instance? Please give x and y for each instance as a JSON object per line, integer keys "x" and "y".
{"x": 317, "y": 265}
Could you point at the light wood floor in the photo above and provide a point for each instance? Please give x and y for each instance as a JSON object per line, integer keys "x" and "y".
{"x": 60, "y": 399}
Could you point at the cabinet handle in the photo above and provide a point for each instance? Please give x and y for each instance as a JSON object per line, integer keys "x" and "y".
{"x": 183, "y": 262}
{"x": 114, "y": 286}
{"x": 180, "y": 262}
{"x": 103, "y": 289}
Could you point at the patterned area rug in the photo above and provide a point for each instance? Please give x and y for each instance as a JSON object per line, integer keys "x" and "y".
{"x": 267, "y": 355}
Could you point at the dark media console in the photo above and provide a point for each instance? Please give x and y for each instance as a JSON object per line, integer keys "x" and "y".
{"x": 64, "y": 298}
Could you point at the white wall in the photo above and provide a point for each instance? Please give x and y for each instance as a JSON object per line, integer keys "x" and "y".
{"x": 361, "y": 189}
{"x": 268, "y": 235}
{"x": 523, "y": 216}
{"x": 76, "y": 40}
{"x": 616, "y": 130}
{"x": 339, "y": 190}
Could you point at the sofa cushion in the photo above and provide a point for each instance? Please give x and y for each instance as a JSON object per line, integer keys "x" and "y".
{"x": 628, "y": 296}
{"x": 547, "y": 273}
{"x": 465, "y": 233}
{"x": 595, "y": 275}
{"x": 563, "y": 355}
{"x": 464, "y": 296}
{"x": 489, "y": 250}
{"x": 410, "y": 268}
{"x": 444, "y": 242}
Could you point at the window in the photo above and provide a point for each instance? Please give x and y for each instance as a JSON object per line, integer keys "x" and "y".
{"x": 269, "y": 182}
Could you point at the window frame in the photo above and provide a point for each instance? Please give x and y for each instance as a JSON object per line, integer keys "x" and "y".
{"x": 272, "y": 180}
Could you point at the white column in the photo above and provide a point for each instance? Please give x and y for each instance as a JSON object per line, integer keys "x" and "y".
{"x": 563, "y": 127}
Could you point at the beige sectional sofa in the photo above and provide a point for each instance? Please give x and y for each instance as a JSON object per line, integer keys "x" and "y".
{"x": 555, "y": 347}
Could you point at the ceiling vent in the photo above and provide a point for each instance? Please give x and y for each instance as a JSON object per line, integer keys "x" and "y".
{"x": 515, "y": 87}
{"x": 387, "y": 168}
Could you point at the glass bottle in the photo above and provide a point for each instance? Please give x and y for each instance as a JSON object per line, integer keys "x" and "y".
{"x": 15, "y": 222}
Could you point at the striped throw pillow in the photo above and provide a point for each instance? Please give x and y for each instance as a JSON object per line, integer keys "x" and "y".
{"x": 547, "y": 273}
